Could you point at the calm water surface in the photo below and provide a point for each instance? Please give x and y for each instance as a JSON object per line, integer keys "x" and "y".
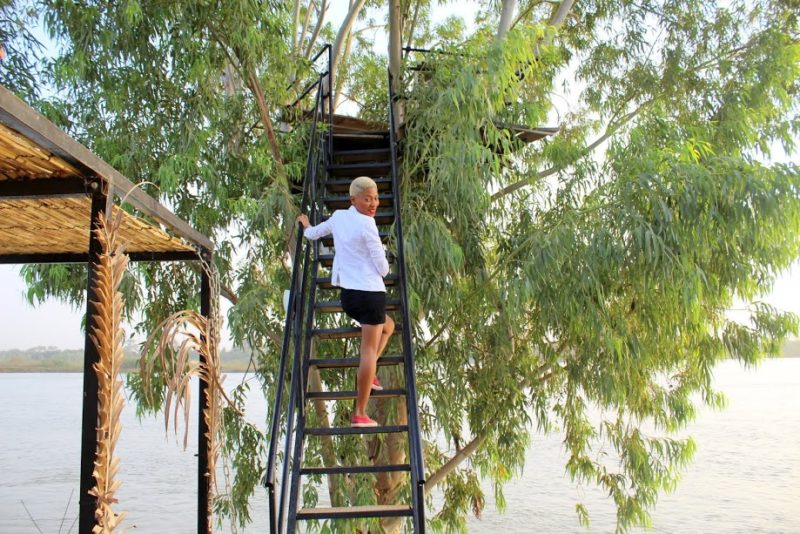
{"x": 745, "y": 477}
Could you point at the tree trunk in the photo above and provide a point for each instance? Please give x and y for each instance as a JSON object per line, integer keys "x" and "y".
{"x": 341, "y": 37}
{"x": 395, "y": 59}
{"x": 561, "y": 13}
{"x": 388, "y": 451}
{"x": 263, "y": 110}
{"x": 340, "y": 81}
{"x": 317, "y": 28}
{"x": 506, "y": 16}
{"x": 393, "y": 524}
{"x": 295, "y": 22}
{"x": 328, "y": 448}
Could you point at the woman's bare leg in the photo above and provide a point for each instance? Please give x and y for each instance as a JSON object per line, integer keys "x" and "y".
{"x": 370, "y": 339}
{"x": 388, "y": 329}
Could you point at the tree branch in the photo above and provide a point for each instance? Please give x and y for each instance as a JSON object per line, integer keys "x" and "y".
{"x": 255, "y": 87}
{"x": 610, "y": 130}
{"x": 525, "y": 12}
{"x": 261, "y": 102}
{"x": 455, "y": 461}
{"x": 344, "y": 31}
{"x": 413, "y": 24}
{"x": 442, "y": 473}
{"x": 295, "y": 21}
{"x": 323, "y": 7}
{"x": 306, "y": 20}
{"x": 396, "y": 59}
{"x": 340, "y": 79}
{"x": 506, "y": 16}
{"x": 560, "y": 13}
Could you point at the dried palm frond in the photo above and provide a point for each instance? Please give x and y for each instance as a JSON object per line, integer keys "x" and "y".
{"x": 108, "y": 337}
{"x": 169, "y": 351}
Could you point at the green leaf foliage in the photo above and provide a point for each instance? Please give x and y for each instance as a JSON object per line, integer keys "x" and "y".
{"x": 578, "y": 284}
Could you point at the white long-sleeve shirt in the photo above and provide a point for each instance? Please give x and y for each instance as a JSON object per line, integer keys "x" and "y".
{"x": 360, "y": 260}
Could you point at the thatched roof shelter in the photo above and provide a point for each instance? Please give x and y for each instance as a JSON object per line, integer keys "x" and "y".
{"x": 47, "y": 182}
{"x": 53, "y": 193}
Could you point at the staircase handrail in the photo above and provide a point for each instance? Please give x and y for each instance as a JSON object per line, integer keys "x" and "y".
{"x": 294, "y": 311}
{"x": 414, "y": 438}
{"x": 319, "y": 78}
{"x": 322, "y": 77}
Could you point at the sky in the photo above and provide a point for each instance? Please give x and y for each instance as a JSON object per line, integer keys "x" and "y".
{"x": 57, "y": 324}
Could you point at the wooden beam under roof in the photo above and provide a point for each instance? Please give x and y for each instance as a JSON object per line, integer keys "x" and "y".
{"x": 71, "y": 186}
{"x": 18, "y": 116}
{"x": 80, "y": 257}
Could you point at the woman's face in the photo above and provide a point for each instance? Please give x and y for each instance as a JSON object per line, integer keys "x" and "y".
{"x": 366, "y": 202}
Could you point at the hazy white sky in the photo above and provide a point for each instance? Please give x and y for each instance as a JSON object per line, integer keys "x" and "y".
{"x": 53, "y": 323}
{"x": 57, "y": 324}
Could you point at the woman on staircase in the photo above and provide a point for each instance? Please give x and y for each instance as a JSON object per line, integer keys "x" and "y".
{"x": 359, "y": 265}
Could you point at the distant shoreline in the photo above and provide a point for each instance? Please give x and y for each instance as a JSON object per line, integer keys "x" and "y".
{"x": 54, "y": 360}
{"x": 34, "y": 370}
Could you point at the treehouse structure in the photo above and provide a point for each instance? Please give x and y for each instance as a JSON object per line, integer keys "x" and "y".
{"x": 53, "y": 194}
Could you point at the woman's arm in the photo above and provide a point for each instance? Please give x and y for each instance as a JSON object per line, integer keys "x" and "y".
{"x": 377, "y": 254}
{"x": 314, "y": 232}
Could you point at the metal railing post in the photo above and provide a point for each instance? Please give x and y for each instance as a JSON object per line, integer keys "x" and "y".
{"x": 415, "y": 440}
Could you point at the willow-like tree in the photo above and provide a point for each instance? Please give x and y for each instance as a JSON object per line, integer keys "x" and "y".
{"x": 578, "y": 285}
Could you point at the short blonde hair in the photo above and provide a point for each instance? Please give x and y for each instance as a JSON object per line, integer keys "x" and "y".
{"x": 361, "y": 184}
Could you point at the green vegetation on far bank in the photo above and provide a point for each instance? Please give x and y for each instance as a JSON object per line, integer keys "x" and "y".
{"x": 54, "y": 360}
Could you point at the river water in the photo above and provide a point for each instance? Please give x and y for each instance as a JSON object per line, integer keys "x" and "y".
{"x": 745, "y": 476}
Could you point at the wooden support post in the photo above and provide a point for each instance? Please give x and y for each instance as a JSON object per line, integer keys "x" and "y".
{"x": 87, "y": 503}
{"x": 202, "y": 428}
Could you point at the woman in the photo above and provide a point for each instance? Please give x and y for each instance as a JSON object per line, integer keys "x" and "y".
{"x": 359, "y": 266}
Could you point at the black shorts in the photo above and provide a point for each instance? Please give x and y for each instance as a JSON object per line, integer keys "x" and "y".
{"x": 366, "y": 307}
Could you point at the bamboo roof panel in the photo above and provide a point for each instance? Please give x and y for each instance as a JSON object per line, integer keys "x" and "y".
{"x": 21, "y": 158}
{"x": 47, "y": 180}
{"x": 61, "y": 225}
{"x": 42, "y": 168}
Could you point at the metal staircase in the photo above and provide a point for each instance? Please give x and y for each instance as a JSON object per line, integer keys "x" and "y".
{"x": 315, "y": 323}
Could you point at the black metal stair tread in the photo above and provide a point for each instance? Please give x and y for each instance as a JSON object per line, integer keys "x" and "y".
{"x": 326, "y": 260}
{"x": 358, "y": 165}
{"x": 375, "y": 510}
{"x": 343, "y": 201}
{"x": 343, "y": 332}
{"x": 383, "y": 150}
{"x": 359, "y": 168}
{"x": 337, "y": 333}
{"x": 341, "y": 469}
{"x": 360, "y": 140}
{"x": 371, "y": 134}
{"x": 343, "y": 185}
{"x": 349, "y": 430}
{"x": 381, "y": 218}
{"x": 380, "y": 180}
{"x": 359, "y": 153}
{"x": 384, "y": 235}
{"x": 333, "y": 306}
{"x": 338, "y": 363}
{"x": 350, "y": 395}
{"x": 325, "y": 282}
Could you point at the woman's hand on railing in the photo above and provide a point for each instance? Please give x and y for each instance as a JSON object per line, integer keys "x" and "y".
{"x": 303, "y": 219}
